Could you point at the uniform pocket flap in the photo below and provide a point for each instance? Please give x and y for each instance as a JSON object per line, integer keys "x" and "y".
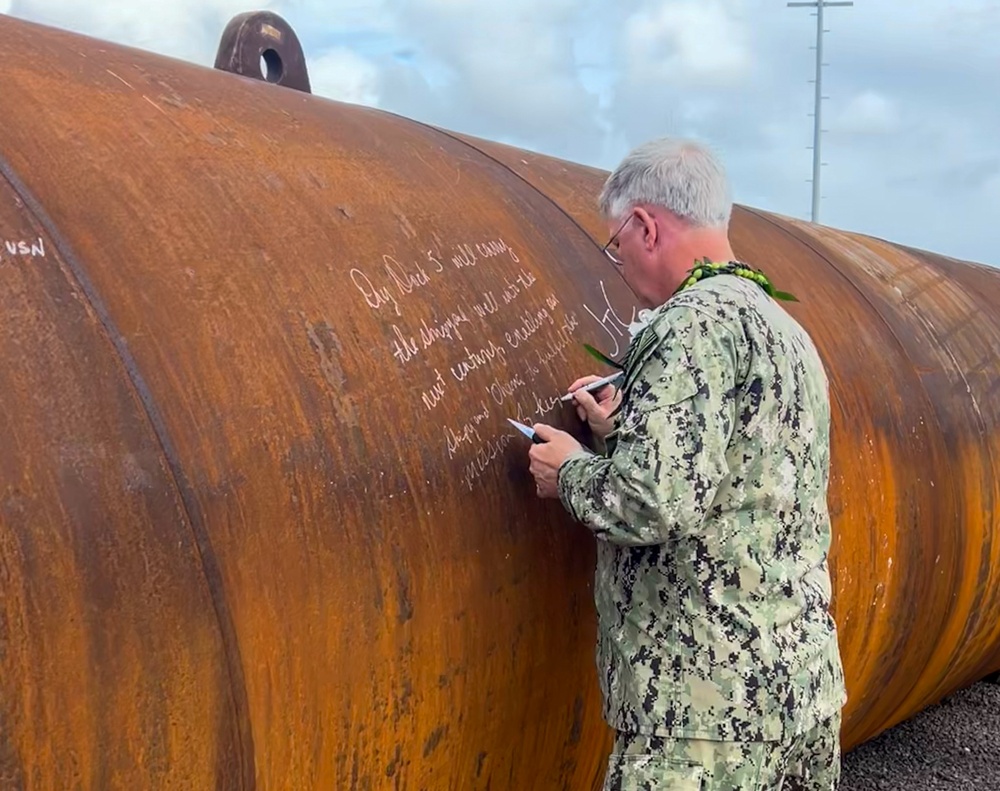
{"x": 651, "y": 772}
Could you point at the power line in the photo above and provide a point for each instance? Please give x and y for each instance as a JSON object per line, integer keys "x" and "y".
{"x": 817, "y": 112}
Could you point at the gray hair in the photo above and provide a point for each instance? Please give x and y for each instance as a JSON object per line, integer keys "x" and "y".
{"x": 683, "y": 176}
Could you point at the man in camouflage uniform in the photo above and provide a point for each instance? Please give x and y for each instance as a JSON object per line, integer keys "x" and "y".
{"x": 719, "y": 660}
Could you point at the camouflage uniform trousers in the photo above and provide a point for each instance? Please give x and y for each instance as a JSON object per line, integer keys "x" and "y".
{"x": 810, "y": 762}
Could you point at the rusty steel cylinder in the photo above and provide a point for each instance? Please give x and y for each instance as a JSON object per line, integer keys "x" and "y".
{"x": 263, "y": 522}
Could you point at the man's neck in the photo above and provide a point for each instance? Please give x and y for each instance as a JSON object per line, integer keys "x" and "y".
{"x": 708, "y": 243}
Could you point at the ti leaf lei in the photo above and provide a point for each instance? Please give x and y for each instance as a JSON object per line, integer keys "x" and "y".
{"x": 701, "y": 270}
{"x": 706, "y": 268}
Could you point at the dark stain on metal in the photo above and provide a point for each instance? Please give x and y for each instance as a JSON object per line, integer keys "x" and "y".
{"x": 324, "y": 340}
{"x": 434, "y": 739}
{"x": 263, "y": 46}
{"x": 401, "y": 704}
{"x": 404, "y": 591}
{"x": 393, "y": 765}
{"x": 577, "y": 729}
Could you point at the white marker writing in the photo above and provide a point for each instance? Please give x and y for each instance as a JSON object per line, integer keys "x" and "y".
{"x": 615, "y": 332}
{"x": 485, "y": 457}
{"x": 403, "y": 349}
{"x": 526, "y": 279}
{"x": 501, "y": 390}
{"x": 495, "y": 248}
{"x": 434, "y": 396}
{"x": 430, "y": 334}
{"x": 375, "y": 297}
{"x": 438, "y": 266}
{"x": 405, "y": 281}
{"x": 531, "y": 322}
{"x": 489, "y": 305}
{"x": 466, "y": 256}
{"x": 478, "y": 359}
{"x": 563, "y": 339}
{"x": 35, "y": 249}
{"x": 467, "y": 434}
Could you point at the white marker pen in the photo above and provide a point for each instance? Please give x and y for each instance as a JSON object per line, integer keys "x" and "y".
{"x": 593, "y": 386}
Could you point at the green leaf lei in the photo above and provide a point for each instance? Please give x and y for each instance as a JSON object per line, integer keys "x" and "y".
{"x": 706, "y": 268}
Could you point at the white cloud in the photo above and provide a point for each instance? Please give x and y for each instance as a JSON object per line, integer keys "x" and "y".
{"x": 186, "y": 29}
{"x": 693, "y": 42}
{"x": 501, "y": 70}
{"x": 367, "y": 14}
{"x": 868, "y": 113}
{"x": 343, "y": 75}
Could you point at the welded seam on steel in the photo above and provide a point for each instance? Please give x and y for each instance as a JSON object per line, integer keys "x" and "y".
{"x": 192, "y": 513}
{"x": 822, "y": 253}
{"x": 514, "y": 173}
{"x": 812, "y": 245}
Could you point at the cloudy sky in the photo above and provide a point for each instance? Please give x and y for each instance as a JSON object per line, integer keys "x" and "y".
{"x": 913, "y": 118}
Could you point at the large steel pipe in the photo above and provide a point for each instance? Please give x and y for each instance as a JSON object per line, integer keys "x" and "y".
{"x": 262, "y": 521}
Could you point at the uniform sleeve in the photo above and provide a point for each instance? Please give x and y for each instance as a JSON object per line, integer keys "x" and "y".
{"x": 670, "y": 444}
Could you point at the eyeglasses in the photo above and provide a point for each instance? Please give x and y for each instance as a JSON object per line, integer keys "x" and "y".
{"x": 607, "y": 248}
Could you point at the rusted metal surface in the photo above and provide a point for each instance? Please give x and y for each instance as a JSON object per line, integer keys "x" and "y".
{"x": 262, "y": 45}
{"x": 263, "y": 523}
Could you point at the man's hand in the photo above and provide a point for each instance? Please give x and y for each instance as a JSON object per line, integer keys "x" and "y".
{"x": 595, "y": 411}
{"x": 547, "y": 457}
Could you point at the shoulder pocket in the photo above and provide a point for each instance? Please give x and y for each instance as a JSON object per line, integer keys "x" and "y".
{"x": 665, "y": 378}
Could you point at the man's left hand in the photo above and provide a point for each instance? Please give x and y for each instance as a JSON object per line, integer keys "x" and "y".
{"x": 548, "y": 456}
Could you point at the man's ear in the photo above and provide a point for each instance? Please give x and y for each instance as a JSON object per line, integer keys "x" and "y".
{"x": 650, "y": 233}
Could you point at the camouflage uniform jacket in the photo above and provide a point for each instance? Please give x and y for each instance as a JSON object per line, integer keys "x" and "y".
{"x": 709, "y": 505}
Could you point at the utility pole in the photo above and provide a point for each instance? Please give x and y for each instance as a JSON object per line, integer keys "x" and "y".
{"x": 819, "y": 5}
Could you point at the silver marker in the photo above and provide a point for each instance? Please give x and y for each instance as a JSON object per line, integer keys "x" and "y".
{"x": 593, "y": 386}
